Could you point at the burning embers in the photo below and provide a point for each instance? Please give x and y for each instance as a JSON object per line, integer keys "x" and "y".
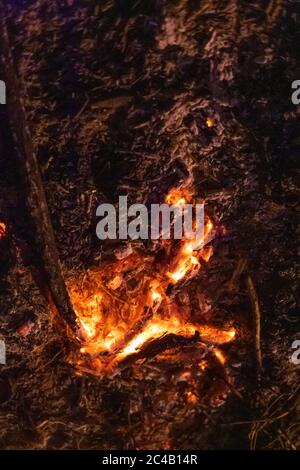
{"x": 128, "y": 310}
{"x": 3, "y": 231}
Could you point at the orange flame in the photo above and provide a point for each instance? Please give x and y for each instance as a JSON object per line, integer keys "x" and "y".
{"x": 189, "y": 254}
{"x": 178, "y": 197}
{"x": 116, "y": 324}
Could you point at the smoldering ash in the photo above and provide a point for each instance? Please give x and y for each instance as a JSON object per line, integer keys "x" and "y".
{"x": 161, "y": 221}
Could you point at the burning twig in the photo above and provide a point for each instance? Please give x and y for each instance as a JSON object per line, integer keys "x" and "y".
{"x": 36, "y": 198}
{"x": 158, "y": 345}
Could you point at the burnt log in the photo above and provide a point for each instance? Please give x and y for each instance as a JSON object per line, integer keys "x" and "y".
{"x": 35, "y": 193}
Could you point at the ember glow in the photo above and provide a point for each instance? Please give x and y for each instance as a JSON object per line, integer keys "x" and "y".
{"x": 3, "y": 232}
{"x": 125, "y": 306}
{"x": 178, "y": 197}
{"x": 209, "y": 122}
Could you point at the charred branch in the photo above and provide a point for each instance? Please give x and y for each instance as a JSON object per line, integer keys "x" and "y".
{"x": 36, "y": 198}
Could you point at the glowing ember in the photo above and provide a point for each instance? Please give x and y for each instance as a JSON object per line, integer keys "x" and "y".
{"x": 189, "y": 254}
{"x": 117, "y": 322}
{"x": 115, "y": 283}
{"x": 191, "y": 398}
{"x": 3, "y": 231}
{"x": 203, "y": 365}
{"x": 156, "y": 297}
{"x": 220, "y": 356}
{"x": 178, "y": 197}
{"x": 158, "y": 328}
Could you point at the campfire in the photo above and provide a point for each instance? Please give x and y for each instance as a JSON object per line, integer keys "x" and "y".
{"x": 128, "y": 309}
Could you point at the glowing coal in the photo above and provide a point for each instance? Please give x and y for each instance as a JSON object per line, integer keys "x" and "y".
{"x": 124, "y": 306}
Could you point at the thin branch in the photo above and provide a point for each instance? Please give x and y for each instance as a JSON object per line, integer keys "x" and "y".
{"x": 257, "y": 319}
